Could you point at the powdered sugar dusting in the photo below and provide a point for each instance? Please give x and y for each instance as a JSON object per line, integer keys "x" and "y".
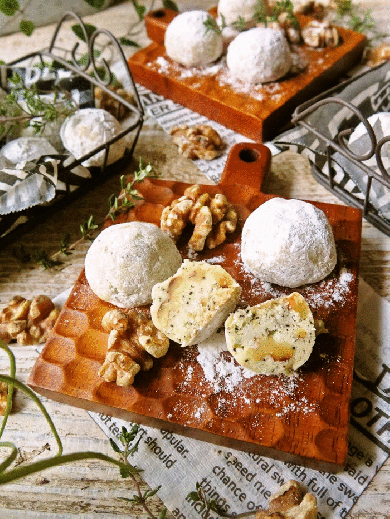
{"x": 223, "y": 372}
{"x": 333, "y": 291}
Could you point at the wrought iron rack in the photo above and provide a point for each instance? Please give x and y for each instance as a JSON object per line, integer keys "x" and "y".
{"x": 339, "y": 144}
{"x": 90, "y": 69}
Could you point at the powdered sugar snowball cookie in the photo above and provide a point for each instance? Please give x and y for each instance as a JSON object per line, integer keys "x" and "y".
{"x": 190, "y": 42}
{"x": 89, "y": 128}
{"x": 289, "y": 243}
{"x": 259, "y": 55}
{"x": 27, "y": 148}
{"x": 274, "y": 337}
{"x": 232, "y": 11}
{"x": 126, "y": 260}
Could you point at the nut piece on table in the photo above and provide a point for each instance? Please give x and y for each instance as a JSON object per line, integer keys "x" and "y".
{"x": 378, "y": 55}
{"x": 290, "y": 503}
{"x": 105, "y": 101}
{"x": 28, "y": 322}
{"x": 212, "y": 218}
{"x": 133, "y": 341}
{"x": 197, "y": 142}
{"x": 3, "y": 397}
{"x": 120, "y": 368}
{"x": 320, "y": 34}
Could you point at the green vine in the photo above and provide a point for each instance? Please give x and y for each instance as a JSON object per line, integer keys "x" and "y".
{"x": 126, "y": 469}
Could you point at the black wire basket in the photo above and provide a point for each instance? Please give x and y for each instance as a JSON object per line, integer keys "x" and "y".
{"x": 324, "y": 125}
{"x": 90, "y": 72}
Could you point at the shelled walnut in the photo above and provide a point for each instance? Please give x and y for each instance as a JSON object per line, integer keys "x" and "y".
{"x": 3, "y": 397}
{"x": 197, "y": 142}
{"x": 320, "y": 34}
{"x": 27, "y": 321}
{"x": 213, "y": 218}
{"x": 290, "y": 503}
{"x": 133, "y": 341}
{"x": 107, "y": 102}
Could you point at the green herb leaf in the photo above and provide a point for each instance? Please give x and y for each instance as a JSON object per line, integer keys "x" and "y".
{"x": 9, "y": 7}
{"x": 163, "y": 513}
{"x": 169, "y": 4}
{"x": 125, "y": 472}
{"x": 211, "y": 24}
{"x": 27, "y": 27}
{"x": 150, "y": 493}
{"x": 114, "y": 446}
{"x": 139, "y": 9}
{"x": 64, "y": 245}
{"x": 98, "y": 4}
{"x": 41, "y": 256}
{"x": 127, "y": 42}
{"x": 90, "y": 29}
{"x": 240, "y": 24}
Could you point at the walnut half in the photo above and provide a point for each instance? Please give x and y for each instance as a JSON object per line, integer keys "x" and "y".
{"x": 3, "y": 397}
{"x": 212, "y": 218}
{"x": 197, "y": 142}
{"x": 290, "y": 503}
{"x": 133, "y": 341}
{"x": 27, "y": 322}
{"x": 320, "y": 34}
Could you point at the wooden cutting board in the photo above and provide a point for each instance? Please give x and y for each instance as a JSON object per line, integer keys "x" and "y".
{"x": 259, "y": 113}
{"x": 302, "y": 418}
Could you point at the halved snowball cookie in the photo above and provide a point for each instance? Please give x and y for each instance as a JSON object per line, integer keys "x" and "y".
{"x": 189, "y": 42}
{"x": 259, "y": 55}
{"x": 288, "y": 242}
{"x": 126, "y": 260}
{"x": 191, "y": 305}
{"x": 274, "y": 337}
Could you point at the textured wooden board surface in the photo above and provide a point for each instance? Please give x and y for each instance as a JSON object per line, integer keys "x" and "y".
{"x": 258, "y": 114}
{"x": 264, "y": 413}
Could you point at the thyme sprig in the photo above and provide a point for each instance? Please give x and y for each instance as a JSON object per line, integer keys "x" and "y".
{"x": 210, "y": 505}
{"x": 129, "y": 195}
{"x": 127, "y": 198}
{"x": 23, "y": 107}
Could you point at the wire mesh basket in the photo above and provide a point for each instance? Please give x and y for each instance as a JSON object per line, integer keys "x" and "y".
{"x": 360, "y": 174}
{"x": 85, "y": 72}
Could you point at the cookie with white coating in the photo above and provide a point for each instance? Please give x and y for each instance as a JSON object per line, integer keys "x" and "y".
{"x": 190, "y": 42}
{"x": 126, "y": 260}
{"x": 259, "y": 55}
{"x": 289, "y": 243}
{"x": 232, "y": 11}
{"x": 274, "y": 337}
{"x": 191, "y": 305}
{"x": 89, "y": 128}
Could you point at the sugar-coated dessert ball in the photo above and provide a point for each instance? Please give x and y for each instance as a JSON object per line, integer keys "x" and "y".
{"x": 126, "y": 260}
{"x": 89, "y": 128}
{"x": 259, "y": 55}
{"x": 235, "y": 10}
{"x": 190, "y": 42}
{"x": 288, "y": 242}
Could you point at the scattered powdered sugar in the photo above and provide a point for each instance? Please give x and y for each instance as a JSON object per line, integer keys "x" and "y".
{"x": 165, "y": 66}
{"x": 216, "y": 260}
{"x": 302, "y": 405}
{"x": 332, "y": 291}
{"x": 223, "y": 372}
